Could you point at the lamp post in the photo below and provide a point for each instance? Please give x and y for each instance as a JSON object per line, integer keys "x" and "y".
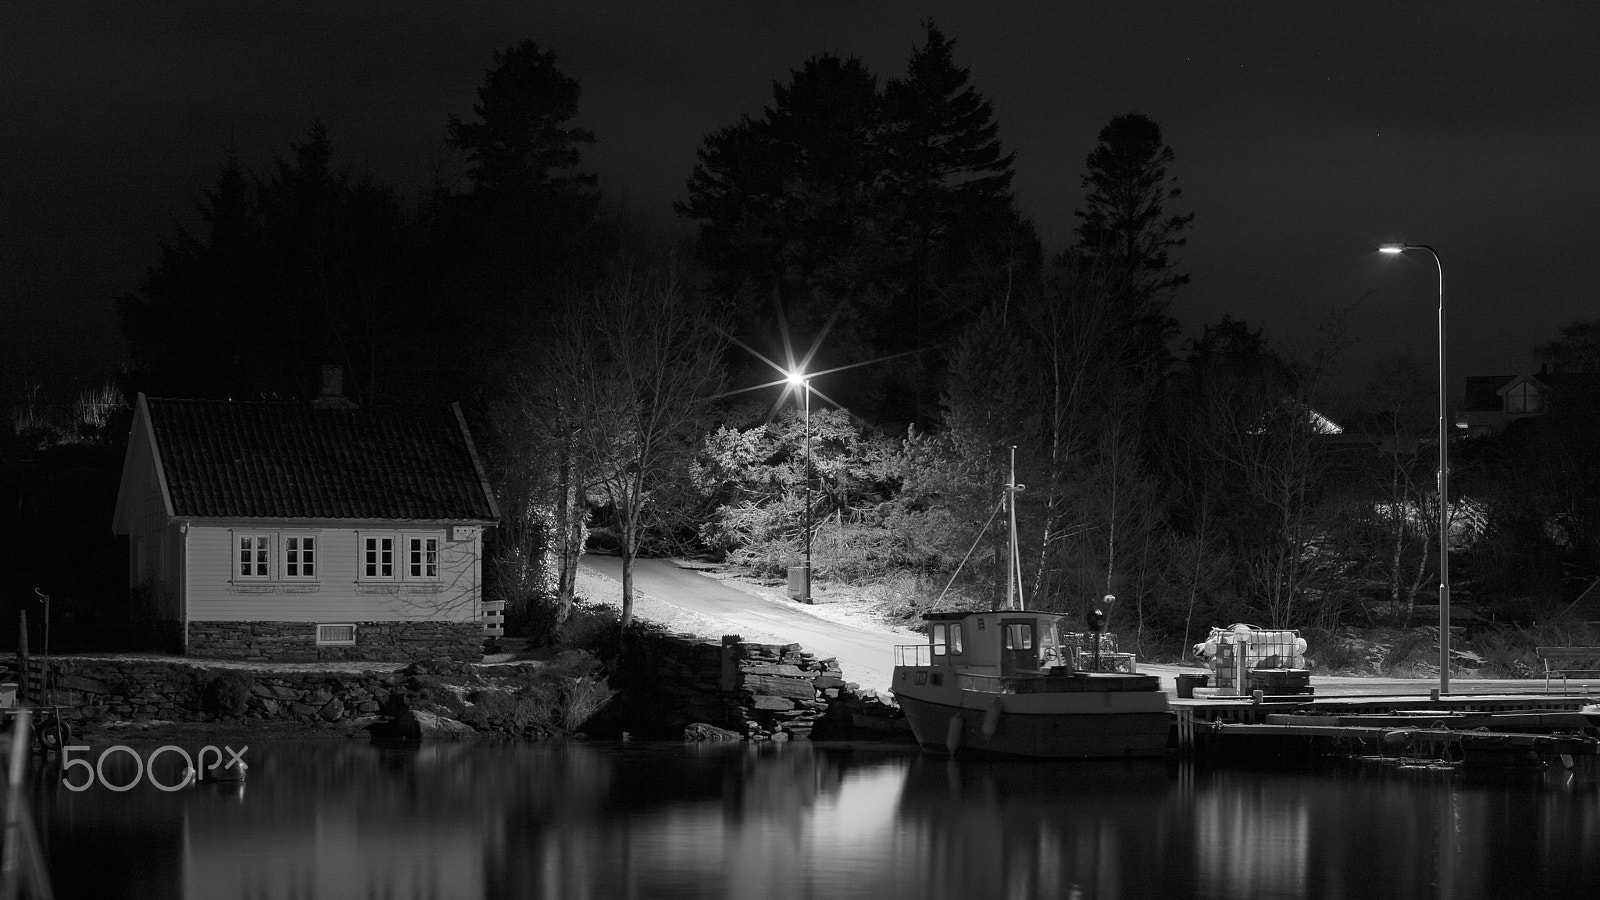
{"x": 1444, "y": 478}
{"x": 801, "y": 383}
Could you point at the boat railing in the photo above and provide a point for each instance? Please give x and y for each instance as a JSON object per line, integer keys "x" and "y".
{"x": 913, "y": 655}
{"x": 1071, "y": 683}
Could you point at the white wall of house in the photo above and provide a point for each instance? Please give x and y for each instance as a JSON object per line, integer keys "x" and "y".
{"x": 340, "y": 589}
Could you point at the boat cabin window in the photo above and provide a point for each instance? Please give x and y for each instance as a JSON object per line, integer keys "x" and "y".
{"x": 946, "y": 638}
{"x": 1019, "y": 636}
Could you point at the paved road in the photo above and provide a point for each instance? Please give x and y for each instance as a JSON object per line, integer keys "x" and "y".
{"x": 865, "y": 657}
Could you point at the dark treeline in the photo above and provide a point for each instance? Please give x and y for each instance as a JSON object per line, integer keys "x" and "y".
{"x": 866, "y": 231}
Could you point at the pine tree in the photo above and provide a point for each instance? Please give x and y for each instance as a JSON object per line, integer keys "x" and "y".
{"x": 1125, "y": 232}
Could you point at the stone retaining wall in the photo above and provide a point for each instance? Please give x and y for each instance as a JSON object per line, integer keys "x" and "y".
{"x": 665, "y": 682}
{"x": 135, "y": 690}
{"x": 297, "y": 642}
{"x": 758, "y": 691}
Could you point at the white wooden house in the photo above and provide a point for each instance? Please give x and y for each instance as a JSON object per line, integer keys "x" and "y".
{"x": 291, "y": 531}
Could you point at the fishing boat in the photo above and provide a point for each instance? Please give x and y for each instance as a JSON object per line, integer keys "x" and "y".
{"x": 1013, "y": 682}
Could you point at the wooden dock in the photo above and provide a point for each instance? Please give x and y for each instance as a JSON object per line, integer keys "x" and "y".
{"x": 1509, "y": 729}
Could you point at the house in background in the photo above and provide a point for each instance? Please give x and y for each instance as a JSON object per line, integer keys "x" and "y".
{"x": 1492, "y": 403}
{"x": 292, "y": 531}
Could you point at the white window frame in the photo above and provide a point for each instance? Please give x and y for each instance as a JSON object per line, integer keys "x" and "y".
{"x": 362, "y": 552}
{"x": 416, "y": 556}
{"x": 261, "y": 555}
{"x": 292, "y": 560}
{"x": 403, "y": 554}
{"x": 323, "y": 640}
{"x": 1524, "y": 398}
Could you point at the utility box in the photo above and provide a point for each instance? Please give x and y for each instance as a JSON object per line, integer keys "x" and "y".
{"x": 800, "y": 583}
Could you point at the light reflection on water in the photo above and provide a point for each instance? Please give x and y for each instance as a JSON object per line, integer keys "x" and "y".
{"x": 770, "y": 822}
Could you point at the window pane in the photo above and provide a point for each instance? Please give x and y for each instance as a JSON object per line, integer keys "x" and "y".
{"x": 955, "y": 638}
{"x": 939, "y": 636}
{"x": 253, "y": 562}
{"x": 1019, "y": 637}
{"x": 422, "y": 557}
{"x": 377, "y": 557}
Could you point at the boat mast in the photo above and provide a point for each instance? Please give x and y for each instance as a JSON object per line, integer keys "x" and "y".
{"x": 1014, "y": 563}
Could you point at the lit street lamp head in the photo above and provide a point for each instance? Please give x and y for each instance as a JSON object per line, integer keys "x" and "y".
{"x": 1391, "y": 248}
{"x": 797, "y": 379}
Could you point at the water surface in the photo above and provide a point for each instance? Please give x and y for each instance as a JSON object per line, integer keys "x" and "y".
{"x": 768, "y": 822}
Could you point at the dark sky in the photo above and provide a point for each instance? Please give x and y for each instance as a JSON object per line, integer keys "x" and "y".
{"x": 1305, "y": 134}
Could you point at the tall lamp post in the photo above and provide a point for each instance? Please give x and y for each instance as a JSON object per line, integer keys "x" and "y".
{"x": 801, "y": 383}
{"x": 1444, "y": 478}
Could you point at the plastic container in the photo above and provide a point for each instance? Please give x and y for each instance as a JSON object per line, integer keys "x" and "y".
{"x": 1187, "y": 684}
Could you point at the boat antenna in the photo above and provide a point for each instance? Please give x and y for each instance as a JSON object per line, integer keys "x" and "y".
{"x": 1014, "y": 564}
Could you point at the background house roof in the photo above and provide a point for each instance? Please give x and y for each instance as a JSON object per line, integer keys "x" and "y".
{"x": 227, "y": 459}
{"x": 1482, "y": 393}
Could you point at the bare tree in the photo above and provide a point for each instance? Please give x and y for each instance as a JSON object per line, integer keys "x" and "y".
{"x": 1268, "y": 435}
{"x": 537, "y": 549}
{"x": 638, "y": 361}
{"x": 1404, "y": 515}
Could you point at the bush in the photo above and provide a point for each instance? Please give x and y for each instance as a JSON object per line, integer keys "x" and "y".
{"x": 227, "y": 694}
{"x": 533, "y": 616}
{"x": 1506, "y": 655}
{"x": 429, "y": 694}
{"x": 581, "y": 698}
{"x": 1338, "y": 653}
{"x": 1414, "y": 653}
{"x": 590, "y": 627}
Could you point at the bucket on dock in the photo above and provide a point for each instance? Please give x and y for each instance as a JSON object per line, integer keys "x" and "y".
{"x": 1187, "y": 684}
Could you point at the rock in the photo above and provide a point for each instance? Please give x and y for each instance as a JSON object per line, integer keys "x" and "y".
{"x": 791, "y": 688}
{"x": 700, "y": 731}
{"x": 332, "y": 711}
{"x": 415, "y": 725}
{"x": 783, "y": 670}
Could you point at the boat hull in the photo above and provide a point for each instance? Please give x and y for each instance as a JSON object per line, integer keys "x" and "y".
{"x": 1086, "y": 725}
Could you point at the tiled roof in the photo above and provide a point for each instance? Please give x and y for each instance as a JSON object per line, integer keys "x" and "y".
{"x": 288, "y": 460}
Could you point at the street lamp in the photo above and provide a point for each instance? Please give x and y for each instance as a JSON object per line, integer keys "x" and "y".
{"x": 802, "y": 384}
{"x": 1444, "y": 478}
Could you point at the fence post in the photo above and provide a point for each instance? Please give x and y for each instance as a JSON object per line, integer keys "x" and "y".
{"x": 22, "y": 659}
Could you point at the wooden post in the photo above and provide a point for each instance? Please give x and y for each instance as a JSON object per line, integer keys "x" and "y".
{"x": 22, "y": 659}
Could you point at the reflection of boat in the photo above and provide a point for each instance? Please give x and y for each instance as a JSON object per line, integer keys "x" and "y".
{"x": 1004, "y": 681}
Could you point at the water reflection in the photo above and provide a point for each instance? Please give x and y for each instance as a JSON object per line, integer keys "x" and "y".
{"x": 341, "y": 820}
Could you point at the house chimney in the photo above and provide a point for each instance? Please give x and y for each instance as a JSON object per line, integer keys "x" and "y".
{"x": 332, "y": 396}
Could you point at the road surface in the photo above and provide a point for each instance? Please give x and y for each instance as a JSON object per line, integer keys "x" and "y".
{"x": 866, "y": 656}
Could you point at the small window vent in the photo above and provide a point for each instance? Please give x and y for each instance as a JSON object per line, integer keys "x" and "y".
{"x": 336, "y": 634}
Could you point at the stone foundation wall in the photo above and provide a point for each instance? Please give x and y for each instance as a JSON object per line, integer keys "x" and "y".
{"x": 297, "y": 642}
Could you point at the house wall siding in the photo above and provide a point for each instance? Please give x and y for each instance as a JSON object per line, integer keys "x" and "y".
{"x": 337, "y": 596}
